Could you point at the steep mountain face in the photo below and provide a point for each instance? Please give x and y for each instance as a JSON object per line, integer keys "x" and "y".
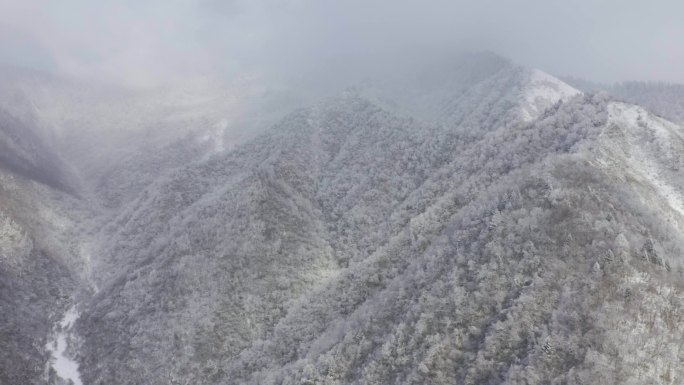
{"x": 33, "y": 287}
{"x": 41, "y": 227}
{"x": 474, "y": 223}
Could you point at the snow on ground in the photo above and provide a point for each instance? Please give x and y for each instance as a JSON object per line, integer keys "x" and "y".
{"x": 542, "y": 92}
{"x": 637, "y": 124}
{"x": 65, "y": 367}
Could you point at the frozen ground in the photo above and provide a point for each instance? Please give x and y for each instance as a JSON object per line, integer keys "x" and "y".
{"x": 65, "y": 367}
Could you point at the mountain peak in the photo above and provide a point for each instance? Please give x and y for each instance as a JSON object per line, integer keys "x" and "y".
{"x": 468, "y": 221}
{"x": 543, "y": 91}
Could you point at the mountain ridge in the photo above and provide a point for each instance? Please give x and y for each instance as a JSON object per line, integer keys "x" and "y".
{"x": 349, "y": 209}
{"x": 507, "y": 230}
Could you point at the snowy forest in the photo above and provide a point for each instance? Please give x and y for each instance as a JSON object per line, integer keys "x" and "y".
{"x": 343, "y": 216}
{"x": 513, "y": 231}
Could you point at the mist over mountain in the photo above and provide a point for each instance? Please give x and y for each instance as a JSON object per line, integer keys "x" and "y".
{"x": 665, "y": 99}
{"x": 460, "y": 219}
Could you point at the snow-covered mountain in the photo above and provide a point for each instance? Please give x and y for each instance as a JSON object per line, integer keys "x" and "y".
{"x": 120, "y": 139}
{"x": 464, "y": 90}
{"x": 476, "y": 222}
{"x": 42, "y": 228}
{"x": 664, "y": 99}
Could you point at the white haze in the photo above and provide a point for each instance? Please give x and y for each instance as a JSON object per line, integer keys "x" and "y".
{"x": 145, "y": 43}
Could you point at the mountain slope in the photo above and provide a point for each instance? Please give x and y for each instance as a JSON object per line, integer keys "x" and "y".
{"x": 474, "y": 223}
{"x": 118, "y": 139}
{"x": 481, "y": 90}
{"x": 308, "y": 179}
{"x": 507, "y": 278}
{"x": 22, "y": 151}
{"x": 500, "y": 244}
{"x": 664, "y": 99}
{"x": 41, "y": 265}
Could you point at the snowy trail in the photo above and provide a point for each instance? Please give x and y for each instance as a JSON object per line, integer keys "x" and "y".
{"x": 65, "y": 367}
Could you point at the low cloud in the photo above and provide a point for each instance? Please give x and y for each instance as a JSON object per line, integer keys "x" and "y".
{"x": 148, "y": 42}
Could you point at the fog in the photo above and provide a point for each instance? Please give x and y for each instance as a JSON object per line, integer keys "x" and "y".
{"x": 150, "y": 42}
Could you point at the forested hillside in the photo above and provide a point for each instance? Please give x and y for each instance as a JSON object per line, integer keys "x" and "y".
{"x": 42, "y": 222}
{"x": 500, "y": 242}
{"x": 476, "y": 222}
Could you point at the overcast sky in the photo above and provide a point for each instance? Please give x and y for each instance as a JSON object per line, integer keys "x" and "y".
{"x": 143, "y": 42}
